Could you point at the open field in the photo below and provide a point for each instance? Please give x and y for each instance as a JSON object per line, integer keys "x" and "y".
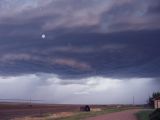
{"x": 8, "y": 111}
{"x": 17, "y": 111}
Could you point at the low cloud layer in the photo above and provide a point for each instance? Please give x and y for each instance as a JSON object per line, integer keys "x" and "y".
{"x": 93, "y": 90}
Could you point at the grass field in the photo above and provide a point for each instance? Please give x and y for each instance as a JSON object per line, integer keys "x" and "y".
{"x": 83, "y": 115}
{"x": 74, "y": 115}
{"x": 144, "y": 115}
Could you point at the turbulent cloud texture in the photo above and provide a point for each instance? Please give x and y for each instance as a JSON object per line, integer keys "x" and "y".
{"x": 83, "y": 39}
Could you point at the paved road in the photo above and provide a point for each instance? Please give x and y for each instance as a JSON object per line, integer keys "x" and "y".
{"x": 124, "y": 115}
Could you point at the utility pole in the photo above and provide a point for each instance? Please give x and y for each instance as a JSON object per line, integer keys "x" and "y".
{"x": 30, "y": 102}
{"x": 133, "y": 100}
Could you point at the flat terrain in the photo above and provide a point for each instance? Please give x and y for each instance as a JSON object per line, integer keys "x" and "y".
{"x": 16, "y": 110}
{"x": 10, "y": 111}
{"x": 124, "y": 115}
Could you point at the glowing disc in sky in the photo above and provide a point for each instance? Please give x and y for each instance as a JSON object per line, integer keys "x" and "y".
{"x": 43, "y": 36}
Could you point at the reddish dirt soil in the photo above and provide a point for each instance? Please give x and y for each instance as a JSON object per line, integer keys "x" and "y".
{"x": 8, "y": 112}
{"x": 15, "y": 110}
{"x": 124, "y": 115}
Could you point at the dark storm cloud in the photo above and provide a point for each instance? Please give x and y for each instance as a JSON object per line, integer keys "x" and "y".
{"x": 125, "y": 54}
{"x": 118, "y": 39}
{"x": 154, "y": 8}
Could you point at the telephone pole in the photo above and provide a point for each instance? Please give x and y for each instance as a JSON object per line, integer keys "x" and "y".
{"x": 133, "y": 100}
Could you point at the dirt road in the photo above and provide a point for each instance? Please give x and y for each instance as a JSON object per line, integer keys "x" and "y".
{"x": 124, "y": 115}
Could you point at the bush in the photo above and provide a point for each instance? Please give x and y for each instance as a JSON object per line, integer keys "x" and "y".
{"x": 155, "y": 115}
{"x": 144, "y": 115}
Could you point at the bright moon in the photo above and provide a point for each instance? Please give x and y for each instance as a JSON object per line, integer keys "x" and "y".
{"x": 43, "y": 36}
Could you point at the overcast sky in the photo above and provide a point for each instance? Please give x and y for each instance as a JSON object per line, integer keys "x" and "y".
{"x": 80, "y": 51}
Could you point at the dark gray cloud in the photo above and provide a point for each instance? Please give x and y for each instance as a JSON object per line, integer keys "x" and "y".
{"x": 154, "y": 8}
{"x": 126, "y": 54}
{"x": 119, "y": 39}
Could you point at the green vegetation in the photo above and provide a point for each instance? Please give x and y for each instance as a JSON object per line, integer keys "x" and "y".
{"x": 144, "y": 115}
{"x": 83, "y": 115}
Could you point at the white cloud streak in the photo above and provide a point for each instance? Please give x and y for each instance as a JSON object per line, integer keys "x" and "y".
{"x": 92, "y": 90}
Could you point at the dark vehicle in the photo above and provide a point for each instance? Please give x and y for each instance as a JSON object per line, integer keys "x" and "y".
{"x": 85, "y": 108}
